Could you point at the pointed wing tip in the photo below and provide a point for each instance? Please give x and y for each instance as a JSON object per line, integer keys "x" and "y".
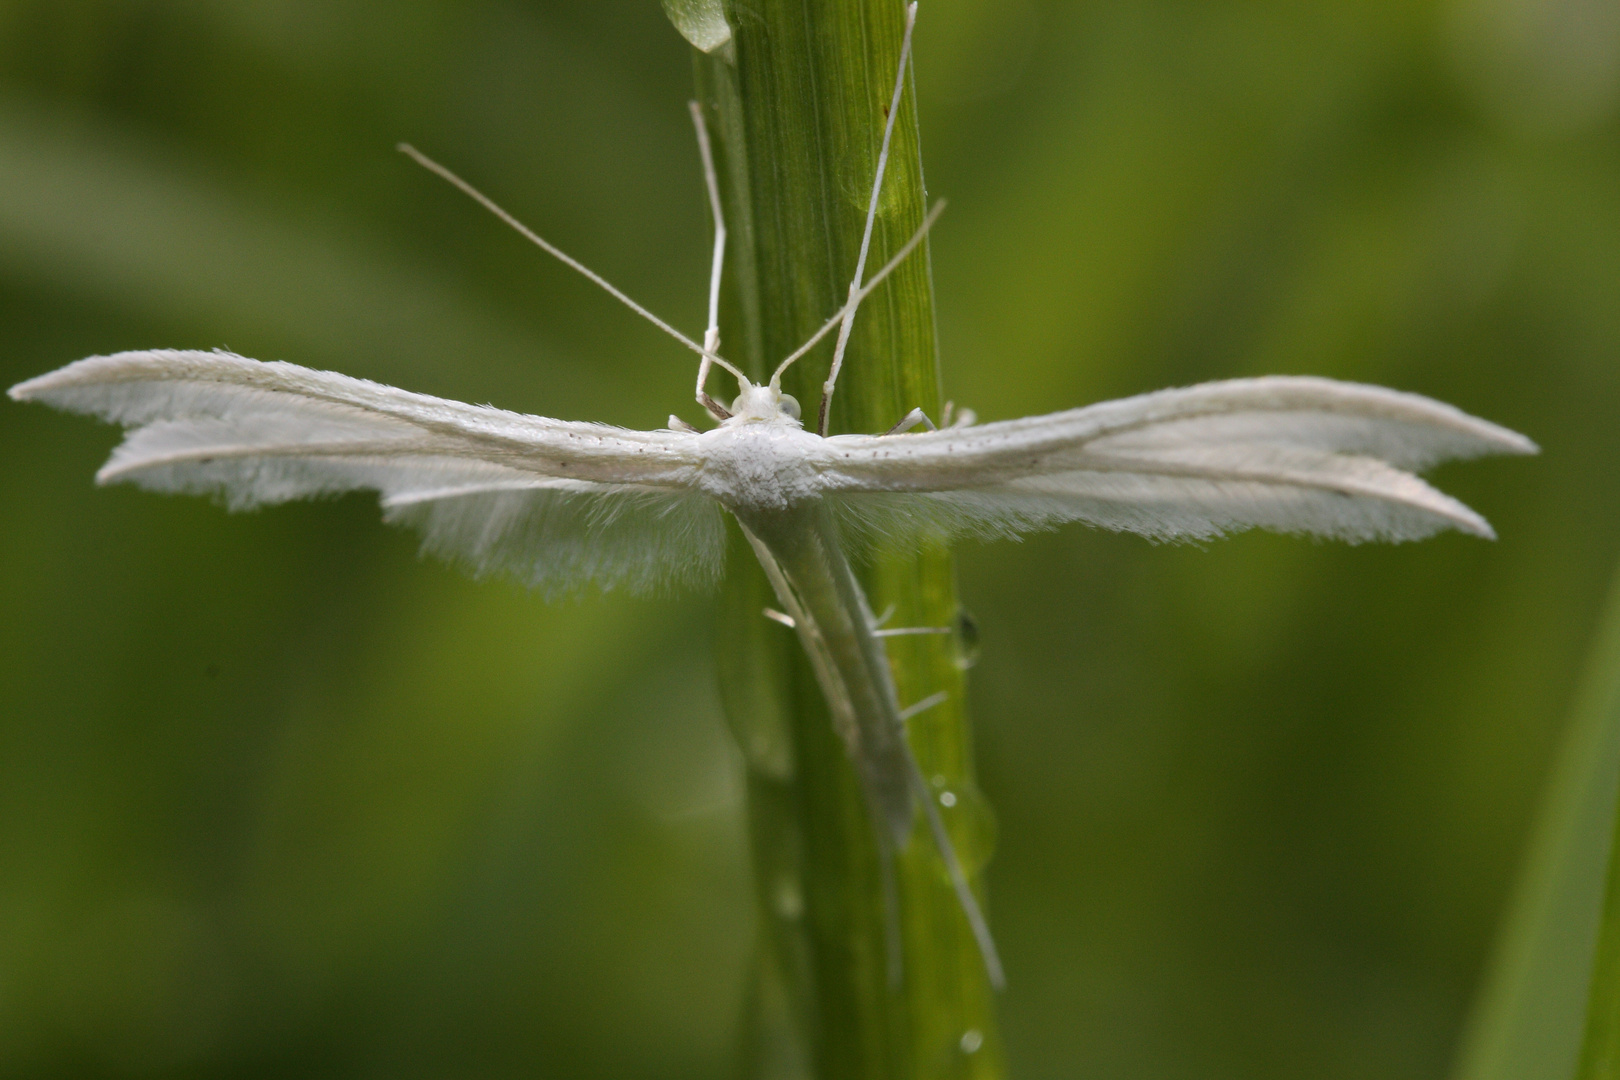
{"x": 30, "y": 389}
{"x": 1465, "y": 520}
{"x": 1503, "y": 440}
{"x": 40, "y": 387}
{"x": 78, "y": 371}
{"x": 1521, "y": 444}
{"x": 112, "y": 473}
{"x": 37, "y": 388}
{"x": 131, "y": 365}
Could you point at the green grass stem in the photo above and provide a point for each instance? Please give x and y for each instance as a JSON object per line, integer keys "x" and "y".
{"x": 796, "y": 103}
{"x": 1529, "y": 1020}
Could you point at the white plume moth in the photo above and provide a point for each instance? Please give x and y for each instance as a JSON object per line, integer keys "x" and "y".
{"x": 559, "y": 503}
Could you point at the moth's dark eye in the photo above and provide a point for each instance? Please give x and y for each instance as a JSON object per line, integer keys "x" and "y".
{"x": 790, "y": 405}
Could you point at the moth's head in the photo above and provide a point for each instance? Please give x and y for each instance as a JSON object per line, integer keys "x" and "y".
{"x": 767, "y": 403}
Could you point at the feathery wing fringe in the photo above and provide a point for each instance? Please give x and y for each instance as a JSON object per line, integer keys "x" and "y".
{"x": 1293, "y": 454}
{"x": 555, "y": 538}
{"x": 552, "y": 502}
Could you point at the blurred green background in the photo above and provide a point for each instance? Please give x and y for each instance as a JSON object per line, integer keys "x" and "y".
{"x": 277, "y": 798}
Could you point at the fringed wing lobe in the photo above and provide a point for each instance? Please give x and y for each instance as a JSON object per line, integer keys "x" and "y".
{"x": 556, "y": 538}
{"x": 550, "y": 501}
{"x": 1293, "y": 454}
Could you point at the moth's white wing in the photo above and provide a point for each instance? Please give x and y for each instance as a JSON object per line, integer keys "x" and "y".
{"x": 1294, "y": 454}
{"x": 554, "y": 502}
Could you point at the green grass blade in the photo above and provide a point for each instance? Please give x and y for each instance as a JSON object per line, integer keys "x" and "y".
{"x": 1600, "y": 1051}
{"x": 1529, "y": 1020}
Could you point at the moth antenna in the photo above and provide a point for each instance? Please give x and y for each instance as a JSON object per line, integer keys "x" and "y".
{"x": 866, "y": 290}
{"x": 871, "y": 219}
{"x": 711, "y": 336}
{"x": 557, "y": 253}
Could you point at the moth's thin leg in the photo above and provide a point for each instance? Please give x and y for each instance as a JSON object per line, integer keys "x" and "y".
{"x": 926, "y": 703}
{"x": 911, "y": 420}
{"x": 711, "y": 336}
{"x": 866, "y": 290}
{"x": 560, "y": 255}
{"x": 871, "y": 219}
{"x": 782, "y": 617}
{"x": 888, "y": 612}
{"x": 953, "y": 867}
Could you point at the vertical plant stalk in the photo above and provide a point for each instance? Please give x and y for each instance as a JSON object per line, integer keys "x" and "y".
{"x": 1600, "y": 1049}
{"x": 796, "y": 101}
{"x": 1555, "y": 966}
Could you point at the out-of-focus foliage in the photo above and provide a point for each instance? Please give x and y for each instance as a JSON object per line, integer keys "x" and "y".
{"x": 277, "y": 798}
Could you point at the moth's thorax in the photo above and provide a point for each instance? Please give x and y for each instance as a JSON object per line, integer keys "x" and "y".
{"x": 760, "y": 462}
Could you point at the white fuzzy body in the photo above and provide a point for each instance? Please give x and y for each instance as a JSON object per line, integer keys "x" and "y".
{"x": 761, "y": 464}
